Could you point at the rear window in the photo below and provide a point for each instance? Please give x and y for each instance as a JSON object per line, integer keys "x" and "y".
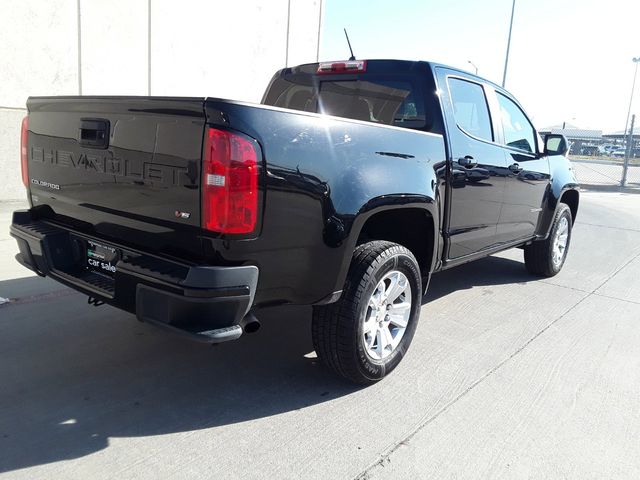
{"x": 390, "y": 101}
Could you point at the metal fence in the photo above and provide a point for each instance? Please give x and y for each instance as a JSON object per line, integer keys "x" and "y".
{"x": 605, "y": 171}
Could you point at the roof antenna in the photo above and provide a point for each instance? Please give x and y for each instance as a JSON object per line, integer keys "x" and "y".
{"x": 350, "y": 49}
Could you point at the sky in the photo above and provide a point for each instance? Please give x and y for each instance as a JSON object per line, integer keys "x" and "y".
{"x": 570, "y": 60}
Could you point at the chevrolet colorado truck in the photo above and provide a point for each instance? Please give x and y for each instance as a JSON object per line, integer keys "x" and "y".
{"x": 346, "y": 188}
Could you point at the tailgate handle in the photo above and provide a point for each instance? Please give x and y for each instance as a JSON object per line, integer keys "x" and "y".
{"x": 94, "y": 132}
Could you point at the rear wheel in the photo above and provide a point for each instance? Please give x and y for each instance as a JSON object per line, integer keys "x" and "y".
{"x": 365, "y": 334}
{"x": 547, "y": 257}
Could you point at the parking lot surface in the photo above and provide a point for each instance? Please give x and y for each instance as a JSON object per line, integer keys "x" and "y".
{"x": 508, "y": 376}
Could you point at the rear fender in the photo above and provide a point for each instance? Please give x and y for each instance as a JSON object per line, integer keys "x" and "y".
{"x": 390, "y": 203}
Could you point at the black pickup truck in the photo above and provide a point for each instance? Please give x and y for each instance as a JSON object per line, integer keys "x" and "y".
{"x": 346, "y": 188}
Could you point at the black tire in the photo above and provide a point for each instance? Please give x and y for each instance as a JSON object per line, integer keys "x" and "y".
{"x": 538, "y": 257}
{"x": 337, "y": 328}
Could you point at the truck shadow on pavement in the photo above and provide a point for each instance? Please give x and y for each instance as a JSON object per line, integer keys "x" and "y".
{"x": 485, "y": 272}
{"x": 73, "y": 376}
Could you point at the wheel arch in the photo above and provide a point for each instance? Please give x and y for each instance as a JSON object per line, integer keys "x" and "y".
{"x": 411, "y": 227}
{"x": 376, "y": 221}
{"x": 564, "y": 188}
{"x": 571, "y": 197}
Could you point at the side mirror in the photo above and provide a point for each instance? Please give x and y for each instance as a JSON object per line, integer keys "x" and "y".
{"x": 555, "y": 144}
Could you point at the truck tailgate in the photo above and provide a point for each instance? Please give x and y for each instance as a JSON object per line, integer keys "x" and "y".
{"x": 122, "y": 168}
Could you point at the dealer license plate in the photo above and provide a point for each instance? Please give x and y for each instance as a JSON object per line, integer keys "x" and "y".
{"x": 102, "y": 258}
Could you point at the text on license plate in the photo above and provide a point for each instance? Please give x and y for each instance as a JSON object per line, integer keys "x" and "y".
{"x": 102, "y": 258}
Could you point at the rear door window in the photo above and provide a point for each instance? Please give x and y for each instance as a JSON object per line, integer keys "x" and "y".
{"x": 470, "y": 108}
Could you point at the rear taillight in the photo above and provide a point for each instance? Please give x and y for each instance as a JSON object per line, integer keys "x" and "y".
{"x": 24, "y": 151}
{"x": 229, "y": 182}
{"x": 349, "y": 66}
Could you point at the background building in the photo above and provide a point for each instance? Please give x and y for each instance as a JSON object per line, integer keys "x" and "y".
{"x": 620, "y": 137}
{"x": 143, "y": 47}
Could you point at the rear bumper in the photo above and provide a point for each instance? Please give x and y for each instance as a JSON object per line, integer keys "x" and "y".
{"x": 208, "y": 304}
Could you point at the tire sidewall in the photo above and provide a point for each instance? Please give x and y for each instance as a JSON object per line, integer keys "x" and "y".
{"x": 376, "y": 369}
{"x": 566, "y": 213}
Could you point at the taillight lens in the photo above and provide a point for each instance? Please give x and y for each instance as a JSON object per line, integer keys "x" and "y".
{"x": 24, "y": 151}
{"x": 229, "y": 182}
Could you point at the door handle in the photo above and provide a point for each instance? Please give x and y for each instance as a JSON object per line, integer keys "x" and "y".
{"x": 467, "y": 161}
{"x": 515, "y": 168}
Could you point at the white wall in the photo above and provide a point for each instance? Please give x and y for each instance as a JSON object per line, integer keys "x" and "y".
{"x": 223, "y": 48}
{"x": 114, "y": 47}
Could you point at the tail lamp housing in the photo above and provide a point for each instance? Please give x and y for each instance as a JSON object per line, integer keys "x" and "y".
{"x": 24, "y": 151}
{"x": 348, "y": 66}
{"x": 229, "y": 182}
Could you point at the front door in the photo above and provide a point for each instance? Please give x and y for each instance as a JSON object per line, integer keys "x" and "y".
{"x": 528, "y": 175}
{"x": 478, "y": 165}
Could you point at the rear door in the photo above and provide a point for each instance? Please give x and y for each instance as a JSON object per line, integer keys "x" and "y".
{"x": 121, "y": 168}
{"x": 478, "y": 166}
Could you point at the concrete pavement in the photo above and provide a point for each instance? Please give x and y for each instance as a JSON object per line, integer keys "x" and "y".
{"x": 508, "y": 377}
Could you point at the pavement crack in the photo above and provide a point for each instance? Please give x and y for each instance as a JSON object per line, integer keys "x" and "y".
{"x": 616, "y": 272}
{"x": 39, "y": 297}
{"x": 615, "y": 298}
{"x": 595, "y": 290}
{"x": 610, "y": 226}
{"x": 385, "y": 457}
{"x": 575, "y": 289}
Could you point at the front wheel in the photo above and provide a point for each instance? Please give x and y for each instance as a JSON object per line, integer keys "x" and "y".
{"x": 546, "y": 257}
{"x": 365, "y": 334}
